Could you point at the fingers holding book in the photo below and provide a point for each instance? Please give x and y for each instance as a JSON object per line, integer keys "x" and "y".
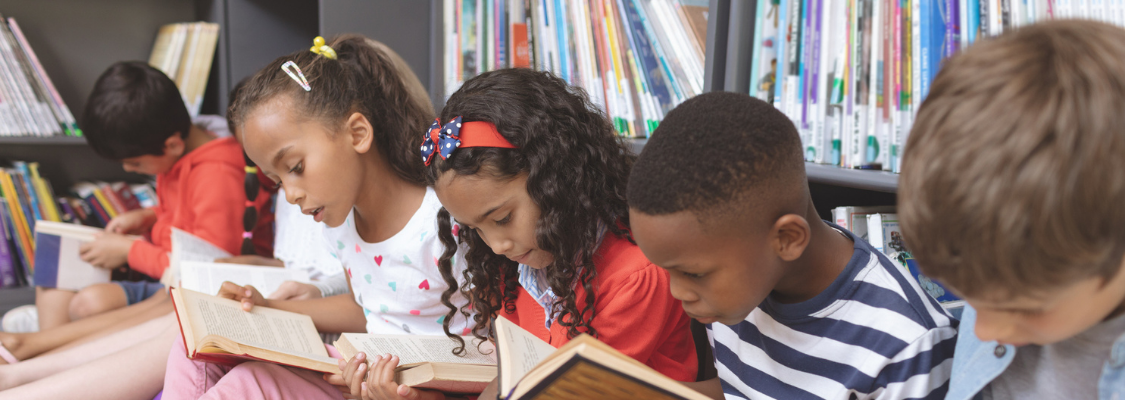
{"x": 247, "y": 295}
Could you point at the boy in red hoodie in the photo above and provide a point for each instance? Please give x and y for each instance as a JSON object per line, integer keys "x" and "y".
{"x": 136, "y": 116}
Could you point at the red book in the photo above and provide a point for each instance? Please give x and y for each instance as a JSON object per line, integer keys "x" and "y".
{"x": 520, "y": 56}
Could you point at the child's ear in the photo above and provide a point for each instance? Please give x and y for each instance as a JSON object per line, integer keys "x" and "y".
{"x": 174, "y": 145}
{"x": 360, "y": 133}
{"x": 790, "y": 236}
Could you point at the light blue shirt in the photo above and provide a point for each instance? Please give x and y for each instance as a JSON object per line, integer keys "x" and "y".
{"x": 977, "y": 363}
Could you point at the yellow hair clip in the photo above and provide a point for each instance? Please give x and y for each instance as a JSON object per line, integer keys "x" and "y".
{"x": 323, "y": 49}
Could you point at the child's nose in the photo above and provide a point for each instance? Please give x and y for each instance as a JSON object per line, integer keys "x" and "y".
{"x": 292, "y": 195}
{"x": 681, "y": 293}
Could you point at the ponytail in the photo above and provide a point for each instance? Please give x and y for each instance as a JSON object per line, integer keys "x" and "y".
{"x": 365, "y": 77}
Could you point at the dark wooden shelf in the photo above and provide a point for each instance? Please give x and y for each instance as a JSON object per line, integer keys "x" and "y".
{"x": 879, "y": 181}
{"x": 44, "y": 141}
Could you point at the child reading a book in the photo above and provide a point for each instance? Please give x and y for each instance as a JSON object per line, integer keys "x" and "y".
{"x": 1011, "y": 195}
{"x": 135, "y": 115}
{"x": 535, "y": 179}
{"x": 337, "y": 128}
{"x": 796, "y": 307}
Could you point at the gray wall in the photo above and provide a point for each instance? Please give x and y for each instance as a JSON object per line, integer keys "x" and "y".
{"x": 404, "y": 25}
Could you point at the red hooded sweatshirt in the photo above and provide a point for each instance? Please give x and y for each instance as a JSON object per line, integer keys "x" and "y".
{"x": 203, "y": 194}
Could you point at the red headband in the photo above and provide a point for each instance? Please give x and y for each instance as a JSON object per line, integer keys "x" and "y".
{"x": 443, "y": 140}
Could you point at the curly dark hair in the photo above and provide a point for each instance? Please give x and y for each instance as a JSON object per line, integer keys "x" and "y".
{"x": 576, "y": 173}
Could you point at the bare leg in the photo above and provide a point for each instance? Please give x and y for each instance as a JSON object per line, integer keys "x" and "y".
{"x": 122, "y": 342}
{"x": 137, "y": 372}
{"x": 96, "y": 299}
{"x": 27, "y": 345}
{"x": 53, "y": 306}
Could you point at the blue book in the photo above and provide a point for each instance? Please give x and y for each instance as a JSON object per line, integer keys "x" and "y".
{"x": 57, "y": 264}
{"x": 19, "y": 254}
{"x": 646, "y": 58}
{"x": 29, "y": 188}
{"x": 931, "y": 41}
{"x": 564, "y": 45}
{"x": 933, "y": 288}
{"x": 8, "y": 265}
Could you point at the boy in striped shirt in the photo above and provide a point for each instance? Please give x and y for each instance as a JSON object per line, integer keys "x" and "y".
{"x": 796, "y": 308}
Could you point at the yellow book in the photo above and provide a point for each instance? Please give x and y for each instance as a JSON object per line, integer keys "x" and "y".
{"x": 23, "y": 230}
{"x": 46, "y": 196}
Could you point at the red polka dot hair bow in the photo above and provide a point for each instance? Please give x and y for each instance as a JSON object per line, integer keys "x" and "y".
{"x": 444, "y": 139}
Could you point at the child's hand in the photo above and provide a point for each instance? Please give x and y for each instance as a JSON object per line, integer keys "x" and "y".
{"x": 293, "y": 290}
{"x": 108, "y": 250}
{"x": 350, "y": 379}
{"x": 132, "y": 222}
{"x": 380, "y": 383}
{"x": 247, "y": 295}
{"x": 252, "y": 260}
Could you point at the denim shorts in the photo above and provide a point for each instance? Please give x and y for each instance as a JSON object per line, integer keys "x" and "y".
{"x": 136, "y": 292}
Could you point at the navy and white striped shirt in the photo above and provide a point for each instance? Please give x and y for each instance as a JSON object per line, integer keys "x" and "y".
{"x": 873, "y": 334}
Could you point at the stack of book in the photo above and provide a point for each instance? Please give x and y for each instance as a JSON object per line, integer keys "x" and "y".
{"x": 636, "y": 59}
{"x": 184, "y": 52}
{"x": 25, "y": 197}
{"x": 852, "y": 73}
{"x": 879, "y": 227}
{"x": 29, "y": 103}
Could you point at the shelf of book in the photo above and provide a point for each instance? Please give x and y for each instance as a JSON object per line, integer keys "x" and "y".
{"x": 879, "y": 181}
{"x": 14, "y": 297}
{"x": 43, "y": 140}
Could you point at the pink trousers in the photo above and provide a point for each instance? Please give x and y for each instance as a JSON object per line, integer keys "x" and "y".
{"x": 190, "y": 379}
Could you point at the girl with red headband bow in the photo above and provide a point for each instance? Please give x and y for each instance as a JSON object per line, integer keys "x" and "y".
{"x": 535, "y": 178}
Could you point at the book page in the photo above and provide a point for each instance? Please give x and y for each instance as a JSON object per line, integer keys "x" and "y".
{"x": 412, "y": 349}
{"x": 188, "y": 247}
{"x": 262, "y": 327}
{"x": 74, "y": 273}
{"x": 518, "y": 351}
{"x": 208, "y": 277}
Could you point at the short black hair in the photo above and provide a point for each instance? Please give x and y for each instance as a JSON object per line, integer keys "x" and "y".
{"x": 132, "y": 111}
{"x": 714, "y": 150}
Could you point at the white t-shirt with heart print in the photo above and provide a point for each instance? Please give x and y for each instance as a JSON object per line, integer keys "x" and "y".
{"x": 397, "y": 281}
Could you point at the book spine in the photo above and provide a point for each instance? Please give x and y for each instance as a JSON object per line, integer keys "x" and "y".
{"x": 46, "y": 195}
{"x": 8, "y": 275}
{"x": 19, "y": 221}
{"x": 11, "y": 235}
{"x": 71, "y": 125}
{"x": 23, "y": 179}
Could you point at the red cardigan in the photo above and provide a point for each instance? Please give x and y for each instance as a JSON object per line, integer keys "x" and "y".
{"x": 203, "y": 194}
{"x": 635, "y": 312}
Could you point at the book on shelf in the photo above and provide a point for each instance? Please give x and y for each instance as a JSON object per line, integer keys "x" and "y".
{"x": 217, "y": 330}
{"x": 851, "y": 74}
{"x": 57, "y": 264}
{"x": 583, "y": 368}
{"x": 28, "y": 199}
{"x": 184, "y": 52}
{"x": 885, "y": 235}
{"x": 31, "y": 106}
{"x": 636, "y": 59}
{"x": 428, "y": 362}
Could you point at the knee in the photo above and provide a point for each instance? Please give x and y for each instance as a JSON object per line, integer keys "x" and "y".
{"x": 96, "y": 299}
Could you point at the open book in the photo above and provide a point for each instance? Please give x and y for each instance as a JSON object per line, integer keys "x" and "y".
{"x": 57, "y": 264}
{"x": 427, "y": 361}
{"x": 582, "y": 369}
{"x": 188, "y": 247}
{"x": 208, "y": 277}
{"x": 217, "y": 330}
